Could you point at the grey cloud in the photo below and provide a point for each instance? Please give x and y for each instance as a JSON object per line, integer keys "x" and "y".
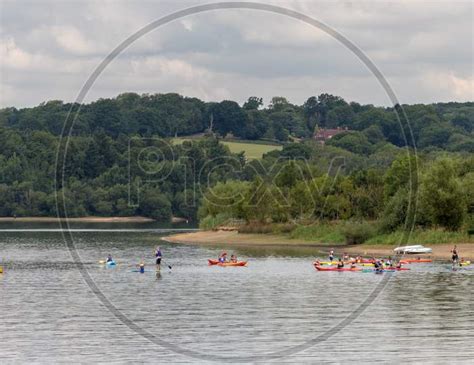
{"x": 49, "y": 49}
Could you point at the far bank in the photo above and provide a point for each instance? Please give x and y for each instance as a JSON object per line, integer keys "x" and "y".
{"x": 89, "y": 219}
{"x": 441, "y": 250}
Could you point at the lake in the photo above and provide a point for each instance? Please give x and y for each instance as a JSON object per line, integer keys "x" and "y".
{"x": 276, "y": 310}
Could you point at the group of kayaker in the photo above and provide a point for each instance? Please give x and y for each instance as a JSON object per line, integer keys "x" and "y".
{"x": 223, "y": 258}
{"x": 345, "y": 259}
{"x": 381, "y": 264}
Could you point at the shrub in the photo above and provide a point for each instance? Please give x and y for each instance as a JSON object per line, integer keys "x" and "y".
{"x": 255, "y": 227}
{"x": 357, "y": 232}
{"x": 212, "y": 222}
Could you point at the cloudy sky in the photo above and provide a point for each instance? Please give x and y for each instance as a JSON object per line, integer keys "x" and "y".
{"x": 49, "y": 48}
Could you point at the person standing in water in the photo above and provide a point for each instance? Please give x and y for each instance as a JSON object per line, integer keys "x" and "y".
{"x": 331, "y": 255}
{"x": 455, "y": 255}
{"x": 158, "y": 257}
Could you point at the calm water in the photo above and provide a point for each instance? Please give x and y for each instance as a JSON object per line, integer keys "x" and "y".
{"x": 49, "y": 314}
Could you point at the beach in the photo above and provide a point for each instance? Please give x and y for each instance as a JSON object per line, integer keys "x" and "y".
{"x": 441, "y": 251}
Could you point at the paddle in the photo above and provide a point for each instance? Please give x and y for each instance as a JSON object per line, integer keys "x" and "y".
{"x": 169, "y": 266}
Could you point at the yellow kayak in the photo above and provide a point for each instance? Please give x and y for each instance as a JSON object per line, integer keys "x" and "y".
{"x": 328, "y": 262}
{"x": 465, "y": 263}
{"x": 1, "y": 269}
{"x": 333, "y": 262}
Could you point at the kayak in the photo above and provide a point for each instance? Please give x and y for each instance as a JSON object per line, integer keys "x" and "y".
{"x": 1, "y": 269}
{"x": 364, "y": 261}
{"x": 216, "y": 262}
{"x": 328, "y": 262}
{"x": 239, "y": 263}
{"x": 334, "y": 262}
{"x": 414, "y": 261}
{"x": 465, "y": 263}
{"x": 111, "y": 263}
{"x": 320, "y": 268}
{"x": 387, "y": 269}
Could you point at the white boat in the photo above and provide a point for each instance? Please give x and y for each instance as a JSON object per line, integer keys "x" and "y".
{"x": 415, "y": 249}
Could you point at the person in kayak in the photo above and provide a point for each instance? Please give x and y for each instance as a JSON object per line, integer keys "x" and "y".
{"x": 389, "y": 262}
{"x": 340, "y": 264}
{"x": 141, "y": 266}
{"x": 109, "y": 258}
{"x": 223, "y": 257}
{"x": 378, "y": 265}
{"x": 233, "y": 258}
{"x": 353, "y": 265}
{"x": 331, "y": 255}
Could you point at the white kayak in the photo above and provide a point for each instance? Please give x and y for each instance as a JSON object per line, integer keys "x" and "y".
{"x": 415, "y": 249}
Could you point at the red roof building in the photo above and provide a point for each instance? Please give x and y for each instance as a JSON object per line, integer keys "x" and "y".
{"x": 322, "y": 135}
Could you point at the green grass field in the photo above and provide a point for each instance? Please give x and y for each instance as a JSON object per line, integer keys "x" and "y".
{"x": 252, "y": 150}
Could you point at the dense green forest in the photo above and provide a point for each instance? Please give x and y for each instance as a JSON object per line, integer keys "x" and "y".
{"x": 121, "y": 161}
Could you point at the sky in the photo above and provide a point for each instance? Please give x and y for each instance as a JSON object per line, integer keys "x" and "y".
{"x": 48, "y": 49}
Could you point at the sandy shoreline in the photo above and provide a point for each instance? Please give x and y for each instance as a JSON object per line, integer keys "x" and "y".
{"x": 136, "y": 219}
{"x": 211, "y": 238}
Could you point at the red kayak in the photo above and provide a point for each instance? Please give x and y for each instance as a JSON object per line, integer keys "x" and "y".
{"x": 216, "y": 262}
{"x": 414, "y": 261}
{"x": 320, "y": 268}
{"x": 364, "y": 261}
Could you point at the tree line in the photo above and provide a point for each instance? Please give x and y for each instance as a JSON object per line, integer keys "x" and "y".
{"x": 440, "y": 192}
{"x": 121, "y": 152}
{"x": 437, "y": 126}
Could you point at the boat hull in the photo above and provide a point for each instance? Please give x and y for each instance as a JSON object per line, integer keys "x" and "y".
{"x": 320, "y": 268}
{"x": 225, "y": 264}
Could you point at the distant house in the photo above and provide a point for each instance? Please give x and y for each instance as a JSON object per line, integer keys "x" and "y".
{"x": 322, "y": 134}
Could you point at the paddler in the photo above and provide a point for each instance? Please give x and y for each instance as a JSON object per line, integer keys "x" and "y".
{"x": 455, "y": 255}
{"x": 223, "y": 257}
{"x": 331, "y": 255}
{"x": 340, "y": 264}
{"x": 109, "y": 258}
{"x": 233, "y": 258}
{"x": 141, "y": 266}
{"x": 378, "y": 265}
{"x": 158, "y": 257}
